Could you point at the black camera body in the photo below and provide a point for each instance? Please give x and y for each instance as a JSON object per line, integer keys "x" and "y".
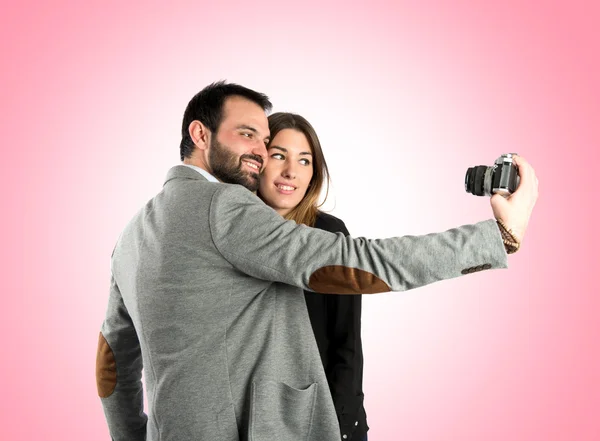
{"x": 502, "y": 178}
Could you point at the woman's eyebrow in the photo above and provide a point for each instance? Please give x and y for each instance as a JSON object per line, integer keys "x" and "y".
{"x": 284, "y": 150}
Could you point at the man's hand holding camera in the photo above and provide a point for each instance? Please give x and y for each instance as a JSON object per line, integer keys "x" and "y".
{"x": 513, "y": 187}
{"x": 515, "y": 209}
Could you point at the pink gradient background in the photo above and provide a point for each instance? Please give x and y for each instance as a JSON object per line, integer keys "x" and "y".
{"x": 405, "y": 97}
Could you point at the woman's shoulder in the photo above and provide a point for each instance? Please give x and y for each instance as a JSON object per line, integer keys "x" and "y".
{"x": 328, "y": 222}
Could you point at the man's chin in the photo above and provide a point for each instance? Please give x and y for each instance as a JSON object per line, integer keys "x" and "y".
{"x": 245, "y": 179}
{"x": 252, "y": 180}
{"x": 248, "y": 180}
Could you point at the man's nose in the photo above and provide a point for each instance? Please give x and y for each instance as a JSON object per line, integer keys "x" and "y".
{"x": 260, "y": 149}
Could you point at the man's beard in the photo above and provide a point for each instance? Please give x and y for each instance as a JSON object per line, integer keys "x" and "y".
{"x": 227, "y": 167}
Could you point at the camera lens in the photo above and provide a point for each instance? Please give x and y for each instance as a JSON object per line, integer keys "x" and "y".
{"x": 474, "y": 180}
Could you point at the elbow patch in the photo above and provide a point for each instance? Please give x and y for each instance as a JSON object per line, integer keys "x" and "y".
{"x": 337, "y": 279}
{"x": 106, "y": 369}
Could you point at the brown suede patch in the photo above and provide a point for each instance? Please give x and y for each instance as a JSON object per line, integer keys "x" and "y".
{"x": 337, "y": 279}
{"x": 106, "y": 369}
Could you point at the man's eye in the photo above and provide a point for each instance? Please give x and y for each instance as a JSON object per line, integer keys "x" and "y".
{"x": 247, "y": 135}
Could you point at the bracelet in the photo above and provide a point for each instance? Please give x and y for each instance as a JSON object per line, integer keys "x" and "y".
{"x": 511, "y": 244}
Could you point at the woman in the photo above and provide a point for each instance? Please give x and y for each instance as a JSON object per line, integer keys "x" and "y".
{"x": 291, "y": 183}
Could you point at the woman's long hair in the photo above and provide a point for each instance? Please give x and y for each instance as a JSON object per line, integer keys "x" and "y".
{"x": 306, "y": 211}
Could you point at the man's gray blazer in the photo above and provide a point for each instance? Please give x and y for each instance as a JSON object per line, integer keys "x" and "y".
{"x": 207, "y": 290}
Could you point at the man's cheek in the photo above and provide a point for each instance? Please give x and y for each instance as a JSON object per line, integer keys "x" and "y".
{"x": 264, "y": 167}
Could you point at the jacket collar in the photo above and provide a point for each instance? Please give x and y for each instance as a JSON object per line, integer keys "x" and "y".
{"x": 183, "y": 172}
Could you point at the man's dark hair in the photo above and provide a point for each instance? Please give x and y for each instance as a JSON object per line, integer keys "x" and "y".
{"x": 207, "y": 107}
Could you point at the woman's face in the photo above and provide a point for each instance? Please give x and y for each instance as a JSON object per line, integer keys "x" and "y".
{"x": 288, "y": 172}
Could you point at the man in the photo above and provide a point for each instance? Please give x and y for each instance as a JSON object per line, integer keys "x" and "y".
{"x": 207, "y": 289}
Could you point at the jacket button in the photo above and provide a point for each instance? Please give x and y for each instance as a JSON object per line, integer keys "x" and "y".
{"x": 356, "y": 423}
{"x": 344, "y": 436}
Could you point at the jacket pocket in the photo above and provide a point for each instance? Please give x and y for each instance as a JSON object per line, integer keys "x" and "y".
{"x": 281, "y": 412}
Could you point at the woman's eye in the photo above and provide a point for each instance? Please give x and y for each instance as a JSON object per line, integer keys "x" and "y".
{"x": 277, "y": 156}
{"x": 305, "y": 161}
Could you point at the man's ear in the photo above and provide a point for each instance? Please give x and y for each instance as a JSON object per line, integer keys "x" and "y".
{"x": 199, "y": 134}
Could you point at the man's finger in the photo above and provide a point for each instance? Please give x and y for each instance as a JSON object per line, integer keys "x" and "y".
{"x": 526, "y": 173}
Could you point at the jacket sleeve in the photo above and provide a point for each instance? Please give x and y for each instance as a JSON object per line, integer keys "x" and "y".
{"x": 119, "y": 372}
{"x": 258, "y": 242}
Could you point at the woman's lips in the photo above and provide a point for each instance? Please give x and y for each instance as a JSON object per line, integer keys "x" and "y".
{"x": 284, "y": 188}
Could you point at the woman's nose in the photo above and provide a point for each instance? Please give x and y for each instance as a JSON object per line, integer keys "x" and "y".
{"x": 289, "y": 172}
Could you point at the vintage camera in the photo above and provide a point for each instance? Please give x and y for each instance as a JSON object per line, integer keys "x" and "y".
{"x": 501, "y": 178}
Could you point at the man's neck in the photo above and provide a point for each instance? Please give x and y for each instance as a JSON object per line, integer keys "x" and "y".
{"x": 208, "y": 175}
{"x": 197, "y": 163}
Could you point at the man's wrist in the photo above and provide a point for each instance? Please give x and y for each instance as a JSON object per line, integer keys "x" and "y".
{"x": 511, "y": 243}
